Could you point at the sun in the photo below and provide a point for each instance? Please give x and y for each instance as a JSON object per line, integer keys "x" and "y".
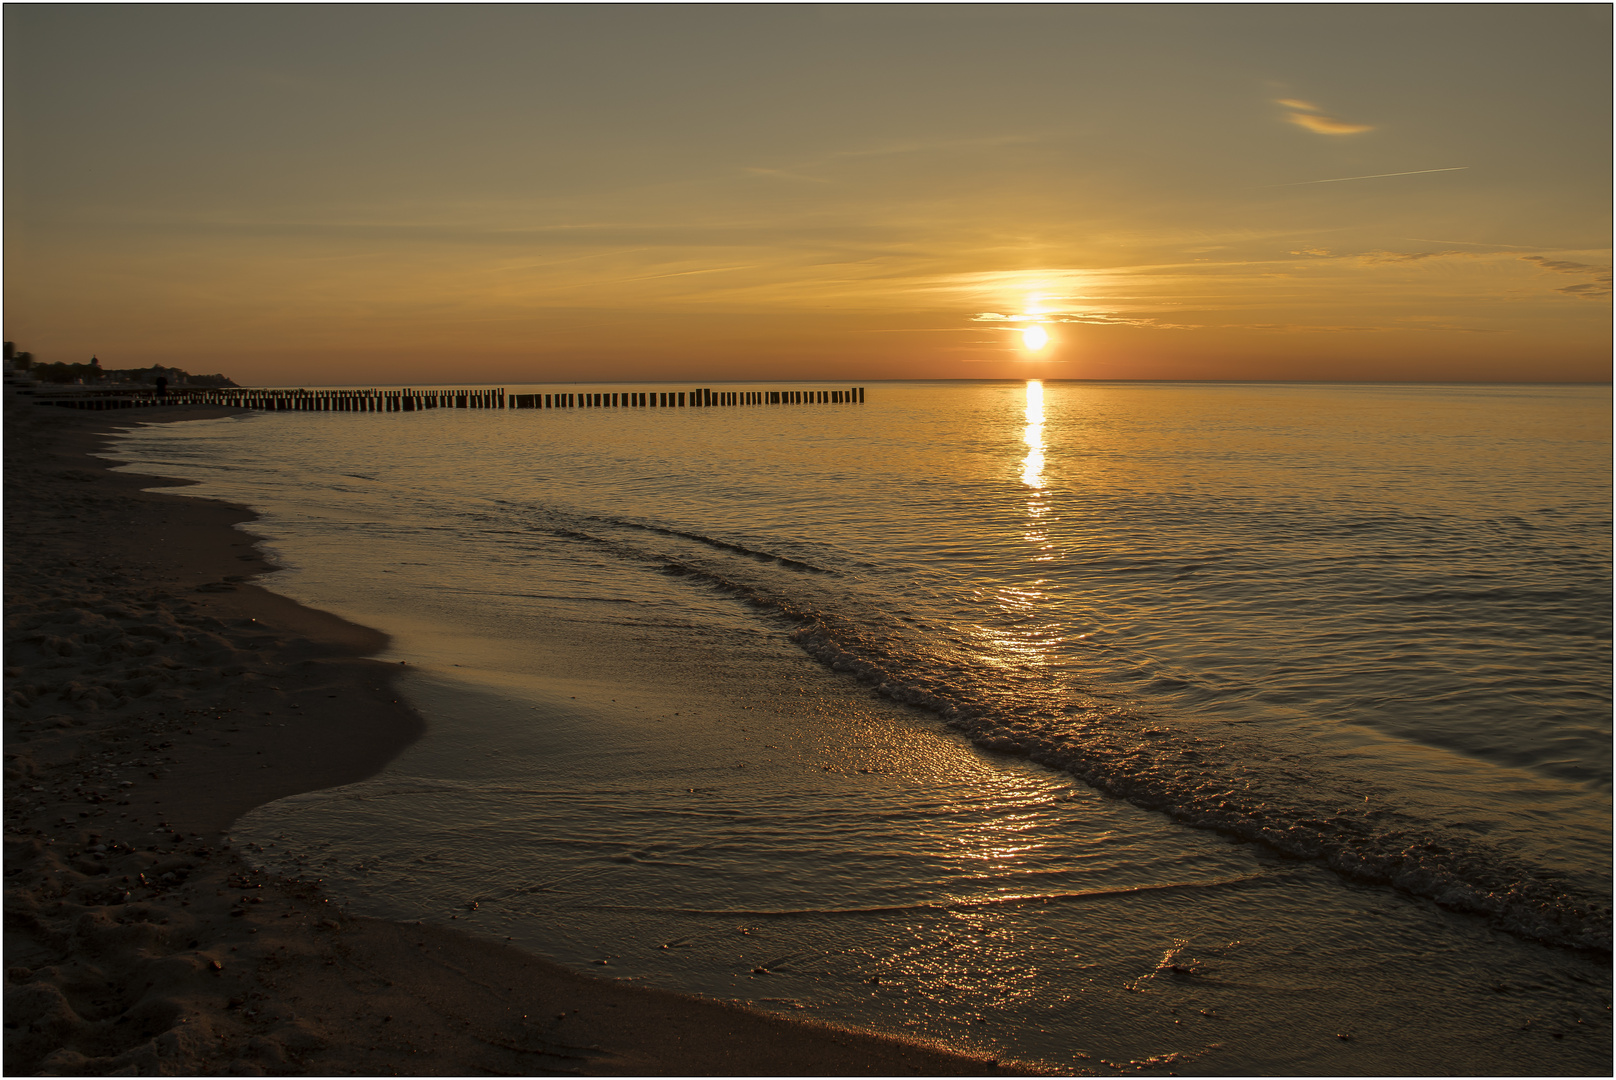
{"x": 1034, "y": 338}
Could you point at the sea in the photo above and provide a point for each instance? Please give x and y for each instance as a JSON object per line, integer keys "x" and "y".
{"x": 1167, "y": 727}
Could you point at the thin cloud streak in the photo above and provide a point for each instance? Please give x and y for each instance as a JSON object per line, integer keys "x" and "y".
{"x": 1467, "y": 243}
{"x": 1373, "y": 176}
{"x": 1315, "y": 119}
{"x": 1327, "y": 125}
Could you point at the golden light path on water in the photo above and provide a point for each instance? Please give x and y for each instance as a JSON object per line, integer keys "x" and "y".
{"x": 1027, "y": 639}
{"x": 1032, "y": 466}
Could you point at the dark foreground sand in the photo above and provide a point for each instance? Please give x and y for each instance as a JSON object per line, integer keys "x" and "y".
{"x": 152, "y": 697}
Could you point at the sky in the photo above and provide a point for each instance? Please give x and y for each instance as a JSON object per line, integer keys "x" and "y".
{"x": 381, "y": 194}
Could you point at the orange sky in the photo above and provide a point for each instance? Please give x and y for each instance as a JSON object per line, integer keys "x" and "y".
{"x": 383, "y": 194}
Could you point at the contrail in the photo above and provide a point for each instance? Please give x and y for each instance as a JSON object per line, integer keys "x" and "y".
{"x": 1374, "y": 176}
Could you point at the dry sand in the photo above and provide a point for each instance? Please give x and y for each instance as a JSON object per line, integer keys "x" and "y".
{"x": 152, "y": 696}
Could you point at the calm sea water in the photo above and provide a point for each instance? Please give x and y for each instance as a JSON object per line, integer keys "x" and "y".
{"x": 1228, "y": 727}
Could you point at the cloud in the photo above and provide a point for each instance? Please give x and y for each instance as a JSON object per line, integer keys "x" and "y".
{"x": 1110, "y": 318}
{"x": 1313, "y": 118}
{"x": 1415, "y": 256}
{"x": 1562, "y": 266}
{"x": 1327, "y": 125}
{"x": 1465, "y": 243}
{"x": 1379, "y": 256}
{"x": 1597, "y": 289}
{"x": 1085, "y": 318}
{"x": 1394, "y": 328}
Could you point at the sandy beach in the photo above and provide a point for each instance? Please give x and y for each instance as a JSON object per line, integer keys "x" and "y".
{"x": 153, "y": 695}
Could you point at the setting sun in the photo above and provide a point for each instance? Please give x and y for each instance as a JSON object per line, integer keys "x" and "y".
{"x": 1034, "y": 338}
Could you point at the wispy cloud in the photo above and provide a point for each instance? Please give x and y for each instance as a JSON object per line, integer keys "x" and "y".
{"x": 1564, "y": 266}
{"x": 1327, "y": 125}
{"x": 1306, "y": 114}
{"x": 1396, "y": 327}
{"x": 1415, "y": 256}
{"x": 1113, "y": 318}
{"x": 1085, "y": 318}
{"x": 1597, "y": 289}
{"x": 1382, "y": 256}
{"x": 1465, "y": 243}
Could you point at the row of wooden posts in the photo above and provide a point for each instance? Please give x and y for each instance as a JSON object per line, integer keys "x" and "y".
{"x": 417, "y": 400}
{"x": 670, "y": 399}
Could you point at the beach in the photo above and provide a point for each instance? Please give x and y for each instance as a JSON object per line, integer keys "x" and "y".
{"x": 154, "y": 694}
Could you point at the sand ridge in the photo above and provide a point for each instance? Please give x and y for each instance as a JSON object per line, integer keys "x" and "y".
{"x": 153, "y": 694}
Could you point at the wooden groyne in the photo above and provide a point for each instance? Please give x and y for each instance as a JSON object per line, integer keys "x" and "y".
{"x": 677, "y": 399}
{"x": 407, "y": 400}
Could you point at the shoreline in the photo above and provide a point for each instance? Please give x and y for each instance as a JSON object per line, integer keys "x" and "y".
{"x": 152, "y": 697}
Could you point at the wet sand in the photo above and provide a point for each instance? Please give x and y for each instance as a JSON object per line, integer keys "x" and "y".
{"x": 153, "y": 695}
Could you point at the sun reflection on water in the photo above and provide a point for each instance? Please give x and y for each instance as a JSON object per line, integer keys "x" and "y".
{"x": 1027, "y": 638}
{"x": 1032, "y": 466}
{"x": 1032, "y": 471}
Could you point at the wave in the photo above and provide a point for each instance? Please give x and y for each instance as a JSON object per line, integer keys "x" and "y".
{"x": 722, "y": 545}
{"x": 1201, "y": 783}
{"x": 1232, "y": 784}
{"x": 1295, "y": 809}
{"x": 960, "y": 904}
